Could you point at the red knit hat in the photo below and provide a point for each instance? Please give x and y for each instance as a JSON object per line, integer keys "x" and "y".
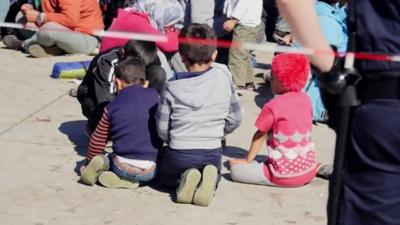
{"x": 291, "y": 70}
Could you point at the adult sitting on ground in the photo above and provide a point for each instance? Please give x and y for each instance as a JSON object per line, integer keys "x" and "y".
{"x": 65, "y": 26}
{"x": 155, "y": 17}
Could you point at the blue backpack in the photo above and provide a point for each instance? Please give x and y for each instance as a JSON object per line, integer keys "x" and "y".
{"x": 334, "y": 28}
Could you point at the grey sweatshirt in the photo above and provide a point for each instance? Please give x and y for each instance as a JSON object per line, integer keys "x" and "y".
{"x": 197, "y": 110}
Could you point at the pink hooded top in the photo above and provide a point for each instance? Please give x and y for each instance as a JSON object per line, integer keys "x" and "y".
{"x": 137, "y": 22}
{"x": 291, "y": 157}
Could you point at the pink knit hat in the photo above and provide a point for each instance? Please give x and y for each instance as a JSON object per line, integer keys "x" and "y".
{"x": 291, "y": 70}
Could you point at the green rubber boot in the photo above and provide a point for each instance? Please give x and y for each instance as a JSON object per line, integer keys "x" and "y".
{"x": 205, "y": 193}
{"x": 96, "y": 166}
{"x": 111, "y": 180}
{"x": 189, "y": 181}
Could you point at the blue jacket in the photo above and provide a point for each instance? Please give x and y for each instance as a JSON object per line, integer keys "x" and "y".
{"x": 333, "y": 23}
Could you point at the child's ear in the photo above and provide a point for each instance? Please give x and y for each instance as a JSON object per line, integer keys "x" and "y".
{"x": 118, "y": 83}
{"x": 146, "y": 84}
{"x": 214, "y": 56}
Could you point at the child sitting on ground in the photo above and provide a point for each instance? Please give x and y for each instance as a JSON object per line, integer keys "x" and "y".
{"x": 129, "y": 122}
{"x": 97, "y": 88}
{"x": 196, "y": 109}
{"x": 286, "y": 122}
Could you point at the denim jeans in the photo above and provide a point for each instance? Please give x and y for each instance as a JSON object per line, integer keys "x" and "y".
{"x": 125, "y": 175}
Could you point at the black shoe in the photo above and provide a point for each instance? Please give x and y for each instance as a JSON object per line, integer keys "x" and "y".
{"x": 325, "y": 171}
{"x": 12, "y": 42}
{"x": 250, "y": 87}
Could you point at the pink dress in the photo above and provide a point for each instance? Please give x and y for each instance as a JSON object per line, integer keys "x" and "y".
{"x": 291, "y": 157}
{"x": 137, "y": 22}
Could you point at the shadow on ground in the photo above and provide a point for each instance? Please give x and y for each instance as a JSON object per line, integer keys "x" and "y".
{"x": 263, "y": 66}
{"x": 75, "y": 131}
{"x": 235, "y": 152}
{"x": 264, "y": 94}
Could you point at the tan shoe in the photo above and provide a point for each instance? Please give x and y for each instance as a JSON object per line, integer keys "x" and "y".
{"x": 12, "y": 42}
{"x": 189, "y": 181}
{"x": 205, "y": 193}
{"x": 96, "y": 166}
{"x": 111, "y": 180}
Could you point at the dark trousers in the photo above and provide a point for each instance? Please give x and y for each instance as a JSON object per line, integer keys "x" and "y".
{"x": 371, "y": 178}
{"x": 172, "y": 163}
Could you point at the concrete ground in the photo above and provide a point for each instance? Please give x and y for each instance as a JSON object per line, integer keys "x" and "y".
{"x": 43, "y": 142}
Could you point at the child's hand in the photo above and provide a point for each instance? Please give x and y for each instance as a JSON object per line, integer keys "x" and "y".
{"x": 229, "y": 25}
{"x": 25, "y": 7}
{"x": 288, "y": 39}
{"x": 31, "y": 15}
{"x": 238, "y": 161}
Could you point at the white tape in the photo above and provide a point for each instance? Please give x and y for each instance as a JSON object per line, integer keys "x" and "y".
{"x": 396, "y": 58}
{"x": 270, "y": 48}
{"x": 130, "y": 35}
{"x": 112, "y": 34}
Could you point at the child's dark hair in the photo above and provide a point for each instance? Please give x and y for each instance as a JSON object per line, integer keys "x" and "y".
{"x": 198, "y": 53}
{"x": 131, "y": 70}
{"x": 146, "y": 50}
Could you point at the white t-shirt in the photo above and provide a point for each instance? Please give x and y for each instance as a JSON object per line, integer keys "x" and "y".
{"x": 143, "y": 164}
{"x": 248, "y": 12}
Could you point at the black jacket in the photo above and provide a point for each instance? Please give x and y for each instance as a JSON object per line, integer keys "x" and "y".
{"x": 97, "y": 88}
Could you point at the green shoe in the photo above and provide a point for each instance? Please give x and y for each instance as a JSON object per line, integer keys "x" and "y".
{"x": 92, "y": 171}
{"x": 205, "y": 193}
{"x": 111, "y": 180}
{"x": 185, "y": 191}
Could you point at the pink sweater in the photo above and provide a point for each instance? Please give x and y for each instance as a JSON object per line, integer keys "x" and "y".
{"x": 291, "y": 156}
{"x": 133, "y": 21}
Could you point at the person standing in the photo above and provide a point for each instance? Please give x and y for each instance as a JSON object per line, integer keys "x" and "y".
{"x": 370, "y": 192}
{"x": 244, "y": 20}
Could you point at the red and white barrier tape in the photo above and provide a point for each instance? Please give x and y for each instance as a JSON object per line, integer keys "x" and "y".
{"x": 270, "y": 48}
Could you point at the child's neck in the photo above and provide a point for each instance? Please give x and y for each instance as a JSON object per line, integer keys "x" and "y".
{"x": 198, "y": 67}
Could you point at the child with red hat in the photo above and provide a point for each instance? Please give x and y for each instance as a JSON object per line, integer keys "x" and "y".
{"x": 285, "y": 124}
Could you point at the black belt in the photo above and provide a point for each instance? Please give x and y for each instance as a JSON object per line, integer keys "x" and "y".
{"x": 379, "y": 89}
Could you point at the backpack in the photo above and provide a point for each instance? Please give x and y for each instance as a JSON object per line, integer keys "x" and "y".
{"x": 332, "y": 19}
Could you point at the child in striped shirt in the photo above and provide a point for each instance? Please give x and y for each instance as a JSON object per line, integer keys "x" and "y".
{"x": 129, "y": 123}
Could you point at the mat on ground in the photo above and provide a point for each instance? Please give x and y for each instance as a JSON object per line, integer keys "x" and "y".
{"x": 70, "y": 70}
